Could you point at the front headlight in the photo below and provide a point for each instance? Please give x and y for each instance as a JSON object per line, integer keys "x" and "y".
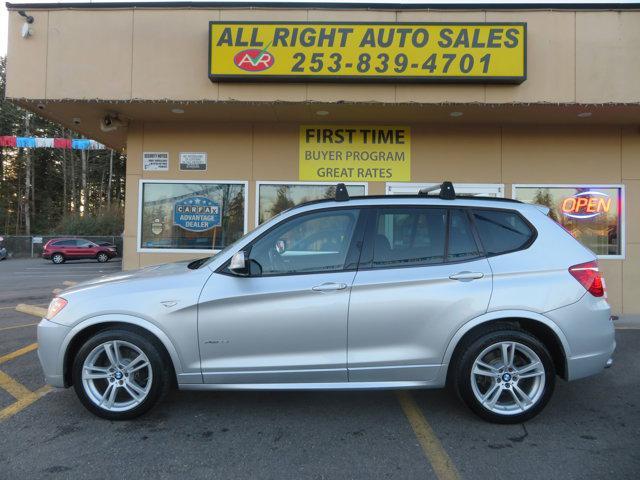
{"x": 56, "y": 305}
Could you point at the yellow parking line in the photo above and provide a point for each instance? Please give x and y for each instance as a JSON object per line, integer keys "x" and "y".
{"x": 18, "y": 326}
{"x": 630, "y": 327}
{"x": 69, "y": 283}
{"x": 23, "y": 403}
{"x": 17, "y": 353}
{"x": 433, "y": 449}
{"x": 31, "y": 310}
{"x": 15, "y": 389}
{"x": 56, "y": 291}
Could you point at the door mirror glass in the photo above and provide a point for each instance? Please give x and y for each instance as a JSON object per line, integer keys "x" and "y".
{"x": 238, "y": 264}
{"x": 281, "y": 246}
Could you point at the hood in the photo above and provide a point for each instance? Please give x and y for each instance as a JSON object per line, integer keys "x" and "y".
{"x": 153, "y": 271}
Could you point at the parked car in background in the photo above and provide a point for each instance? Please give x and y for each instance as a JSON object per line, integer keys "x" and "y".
{"x": 488, "y": 295}
{"x": 3, "y": 249}
{"x": 59, "y": 250}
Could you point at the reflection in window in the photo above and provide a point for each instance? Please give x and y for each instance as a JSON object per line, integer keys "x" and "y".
{"x": 409, "y": 236}
{"x": 191, "y": 215}
{"x": 276, "y": 198}
{"x": 314, "y": 242}
{"x": 591, "y": 214}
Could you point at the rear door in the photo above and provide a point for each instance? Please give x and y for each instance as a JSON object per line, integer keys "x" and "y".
{"x": 422, "y": 276}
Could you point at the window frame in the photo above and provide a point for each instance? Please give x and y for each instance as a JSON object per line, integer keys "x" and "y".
{"x": 142, "y": 182}
{"x": 623, "y": 207}
{"x": 366, "y": 257}
{"x": 259, "y": 183}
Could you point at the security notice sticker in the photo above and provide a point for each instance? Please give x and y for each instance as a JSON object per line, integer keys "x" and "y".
{"x": 348, "y": 153}
{"x": 412, "y": 52}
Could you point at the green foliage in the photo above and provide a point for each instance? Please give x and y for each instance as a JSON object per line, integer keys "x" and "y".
{"x": 106, "y": 222}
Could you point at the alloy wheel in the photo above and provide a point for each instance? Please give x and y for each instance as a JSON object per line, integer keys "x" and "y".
{"x": 508, "y": 378}
{"x": 117, "y": 376}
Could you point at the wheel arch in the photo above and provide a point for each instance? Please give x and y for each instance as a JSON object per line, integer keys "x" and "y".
{"x": 81, "y": 332}
{"x": 536, "y": 324}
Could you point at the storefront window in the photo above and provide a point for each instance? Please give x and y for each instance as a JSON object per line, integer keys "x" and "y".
{"x": 592, "y": 214}
{"x": 274, "y": 198}
{"x": 191, "y": 216}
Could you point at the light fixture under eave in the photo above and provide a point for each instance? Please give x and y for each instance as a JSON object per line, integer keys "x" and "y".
{"x": 177, "y": 110}
{"x": 456, "y": 114}
{"x": 585, "y": 114}
{"x": 322, "y": 113}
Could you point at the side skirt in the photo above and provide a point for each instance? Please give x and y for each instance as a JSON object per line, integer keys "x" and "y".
{"x": 310, "y": 386}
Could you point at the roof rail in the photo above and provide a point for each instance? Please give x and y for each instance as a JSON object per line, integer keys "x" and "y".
{"x": 342, "y": 195}
{"x": 447, "y": 191}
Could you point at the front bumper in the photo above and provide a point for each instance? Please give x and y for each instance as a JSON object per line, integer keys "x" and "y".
{"x": 50, "y": 338}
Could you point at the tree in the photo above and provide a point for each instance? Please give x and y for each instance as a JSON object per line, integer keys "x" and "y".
{"x": 42, "y": 189}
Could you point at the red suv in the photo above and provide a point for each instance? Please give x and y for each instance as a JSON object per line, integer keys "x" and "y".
{"x": 60, "y": 250}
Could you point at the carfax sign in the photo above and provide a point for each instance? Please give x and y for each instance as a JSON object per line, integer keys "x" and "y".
{"x": 412, "y": 52}
{"x": 350, "y": 153}
{"x": 196, "y": 214}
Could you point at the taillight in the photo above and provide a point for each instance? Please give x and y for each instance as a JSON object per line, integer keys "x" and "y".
{"x": 589, "y": 277}
{"x": 57, "y": 304}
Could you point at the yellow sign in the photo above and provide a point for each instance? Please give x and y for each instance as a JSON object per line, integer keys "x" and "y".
{"x": 413, "y": 52}
{"x": 350, "y": 153}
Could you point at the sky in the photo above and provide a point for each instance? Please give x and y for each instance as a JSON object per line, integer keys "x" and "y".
{"x": 3, "y": 8}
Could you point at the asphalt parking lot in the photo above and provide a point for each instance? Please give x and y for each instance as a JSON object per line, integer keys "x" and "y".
{"x": 590, "y": 429}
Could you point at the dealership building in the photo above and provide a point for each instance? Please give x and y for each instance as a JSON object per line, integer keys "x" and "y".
{"x": 230, "y": 112}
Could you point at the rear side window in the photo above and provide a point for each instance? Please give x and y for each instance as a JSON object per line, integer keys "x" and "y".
{"x": 409, "y": 236}
{"x": 65, "y": 243}
{"x": 502, "y": 231}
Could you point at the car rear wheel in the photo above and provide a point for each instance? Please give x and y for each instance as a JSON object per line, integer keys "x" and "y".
{"x": 102, "y": 257}
{"x": 505, "y": 376}
{"x": 57, "y": 258}
{"x": 120, "y": 374}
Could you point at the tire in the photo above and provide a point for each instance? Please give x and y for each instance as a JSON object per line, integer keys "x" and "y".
{"x": 494, "y": 392}
{"x": 102, "y": 257}
{"x": 57, "y": 258}
{"x": 148, "y": 382}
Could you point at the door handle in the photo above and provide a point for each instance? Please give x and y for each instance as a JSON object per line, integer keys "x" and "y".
{"x": 466, "y": 276}
{"x": 329, "y": 286}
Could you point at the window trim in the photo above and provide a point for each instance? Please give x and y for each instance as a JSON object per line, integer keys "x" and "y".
{"x": 142, "y": 182}
{"x": 352, "y": 251}
{"x": 623, "y": 206}
{"x": 259, "y": 183}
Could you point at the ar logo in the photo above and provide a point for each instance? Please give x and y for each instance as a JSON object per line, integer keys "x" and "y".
{"x": 254, "y": 60}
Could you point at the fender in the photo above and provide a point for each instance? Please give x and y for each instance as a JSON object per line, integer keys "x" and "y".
{"x": 131, "y": 320}
{"x": 504, "y": 315}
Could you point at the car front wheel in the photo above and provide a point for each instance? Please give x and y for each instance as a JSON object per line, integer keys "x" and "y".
{"x": 505, "y": 376}
{"x": 120, "y": 374}
{"x": 103, "y": 257}
{"x": 57, "y": 258}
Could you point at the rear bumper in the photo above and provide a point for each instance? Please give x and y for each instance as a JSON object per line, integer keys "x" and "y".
{"x": 46, "y": 256}
{"x": 590, "y": 333}
{"x": 50, "y": 338}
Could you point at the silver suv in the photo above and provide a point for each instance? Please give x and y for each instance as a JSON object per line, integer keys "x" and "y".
{"x": 489, "y": 296}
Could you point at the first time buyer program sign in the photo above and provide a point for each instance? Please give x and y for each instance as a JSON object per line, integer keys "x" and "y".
{"x": 348, "y": 153}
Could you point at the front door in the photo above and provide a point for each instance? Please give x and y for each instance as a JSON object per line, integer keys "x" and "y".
{"x": 415, "y": 287}
{"x": 287, "y": 321}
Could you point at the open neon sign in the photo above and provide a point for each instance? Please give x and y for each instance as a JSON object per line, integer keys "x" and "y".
{"x": 588, "y": 204}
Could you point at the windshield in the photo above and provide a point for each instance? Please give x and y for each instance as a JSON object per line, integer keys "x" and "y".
{"x": 205, "y": 261}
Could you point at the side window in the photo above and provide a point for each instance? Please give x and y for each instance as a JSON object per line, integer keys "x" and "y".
{"x": 409, "y": 236}
{"x": 462, "y": 245}
{"x": 84, "y": 243}
{"x": 316, "y": 242}
{"x": 501, "y": 231}
{"x": 65, "y": 243}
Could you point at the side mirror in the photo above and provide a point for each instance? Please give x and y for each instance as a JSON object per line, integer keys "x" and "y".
{"x": 238, "y": 264}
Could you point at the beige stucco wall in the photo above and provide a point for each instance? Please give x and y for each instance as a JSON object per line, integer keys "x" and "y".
{"x": 157, "y": 54}
{"x": 482, "y": 154}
